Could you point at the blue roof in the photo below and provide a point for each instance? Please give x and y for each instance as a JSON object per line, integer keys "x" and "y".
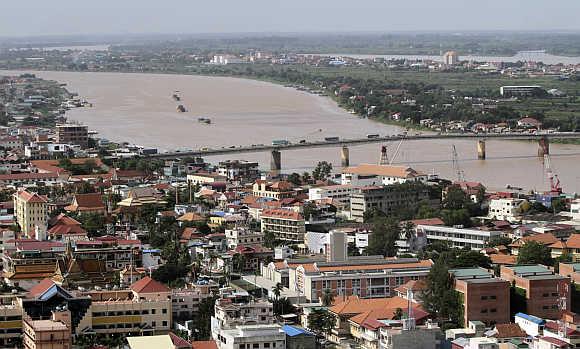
{"x": 292, "y": 331}
{"x": 532, "y": 318}
{"x": 153, "y": 250}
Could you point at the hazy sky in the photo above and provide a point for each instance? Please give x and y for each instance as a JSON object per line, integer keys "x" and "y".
{"x": 46, "y": 17}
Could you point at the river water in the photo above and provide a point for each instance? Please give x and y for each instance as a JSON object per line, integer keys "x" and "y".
{"x": 138, "y": 108}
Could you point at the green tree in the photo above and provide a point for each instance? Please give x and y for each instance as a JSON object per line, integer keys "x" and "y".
{"x": 499, "y": 241}
{"x": 398, "y": 314}
{"x": 93, "y": 223}
{"x": 533, "y": 252}
{"x": 321, "y": 321}
{"x": 270, "y": 240}
{"x": 277, "y": 290}
{"x": 322, "y": 170}
{"x": 294, "y": 178}
{"x": 282, "y": 306}
{"x": 386, "y": 231}
{"x": 306, "y": 178}
{"x": 439, "y": 297}
{"x": 327, "y": 297}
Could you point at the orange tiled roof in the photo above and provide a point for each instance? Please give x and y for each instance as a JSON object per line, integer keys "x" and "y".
{"x": 573, "y": 241}
{"x": 148, "y": 285}
{"x": 373, "y": 308}
{"x": 544, "y": 239}
{"x": 385, "y": 265}
{"x": 282, "y": 213}
{"x": 509, "y": 331}
{"x": 503, "y": 259}
{"x": 204, "y": 345}
{"x": 32, "y": 197}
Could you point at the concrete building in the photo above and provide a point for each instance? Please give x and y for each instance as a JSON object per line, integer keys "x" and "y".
{"x": 252, "y": 336}
{"x": 238, "y": 170}
{"x": 367, "y": 276}
{"x": 201, "y": 178}
{"x": 273, "y": 190}
{"x": 521, "y": 91}
{"x": 385, "y": 199}
{"x": 54, "y": 333}
{"x": 31, "y": 213}
{"x": 575, "y": 209}
{"x": 339, "y": 194}
{"x": 474, "y": 239}
{"x": 287, "y": 225}
{"x": 72, "y": 134}
{"x": 483, "y": 297}
{"x": 369, "y": 174}
{"x": 243, "y": 236}
{"x": 506, "y": 209}
{"x": 450, "y": 58}
{"x": 540, "y": 289}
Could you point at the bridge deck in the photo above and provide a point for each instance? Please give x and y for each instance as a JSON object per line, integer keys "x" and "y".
{"x": 359, "y": 141}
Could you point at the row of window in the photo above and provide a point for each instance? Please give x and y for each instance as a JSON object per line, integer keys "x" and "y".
{"x": 128, "y": 312}
{"x": 483, "y": 298}
{"x": 257, "y": 345}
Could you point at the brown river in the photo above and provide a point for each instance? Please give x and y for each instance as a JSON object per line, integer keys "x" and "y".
{"x": 138, "y": 108}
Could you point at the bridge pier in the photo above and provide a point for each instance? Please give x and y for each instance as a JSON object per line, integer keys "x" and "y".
{"x": 481, "y": 149}
{"x": 543, "y": 147}
{"x": 344, "y": 157}
{"x": 276, "y": 162}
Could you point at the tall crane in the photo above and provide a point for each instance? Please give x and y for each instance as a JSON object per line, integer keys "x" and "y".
{"x": 460, "y": 175}
{"x": 555, "y": 186}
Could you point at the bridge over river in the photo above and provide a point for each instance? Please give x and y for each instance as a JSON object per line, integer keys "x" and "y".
{"x": 276, "y": 164}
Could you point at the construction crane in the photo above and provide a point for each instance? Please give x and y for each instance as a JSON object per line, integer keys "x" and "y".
{"x": 553, "y": 179}
{"x": 460, "y": 175}
{"x": 384, "y": 158}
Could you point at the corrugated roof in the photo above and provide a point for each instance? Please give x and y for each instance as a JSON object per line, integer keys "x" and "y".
{"x": 293, "y": 331}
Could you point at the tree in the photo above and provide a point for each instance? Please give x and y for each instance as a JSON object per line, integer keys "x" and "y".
{"x": 471, "y": 259}
{"x": 322, "y": 170}
{"x": 456, "y": 217}
{"x": 282, "y": 306}
{"x": 439, "y": 297}
{"x": 352, "y": 250}
{"x": 533, "y": 252}
{"x": 499, "y": 241}
{"x": 93, "y": 223}
{"x": 386, "y": 231}
{"x": 306, "y": 178}
{"x": 398, "y": 314}
{"x": 270, "y": 240}
{"x": 455, "y": 198}
{"x": 277, "y": 290}
{"x": 321, "y": 321}
{"x": 294, "y": 178}
{"x": 327, "y": 297}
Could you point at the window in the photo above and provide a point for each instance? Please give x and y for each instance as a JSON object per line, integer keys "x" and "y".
{"x": 493, "y": 310}
{"x": 164, "y": 323}
{"x": 164, "y": 311}
{"x": 153, "y": 323}
{"x": 545, "y": 295}
{"x": 255, "y": 345}
{"x": 483, "y": 298}
{"x": 484, "y": 311}
{"x": 492, "y": 297}
{"x": 153, "y": 311}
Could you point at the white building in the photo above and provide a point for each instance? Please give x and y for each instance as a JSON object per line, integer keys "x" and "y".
{"x": 531, "y": 325}
{"x": 266, "y": 336}
{"x": 243, "y": 236}
{"x": 369, "y": 174}
{"x": 338, "y": 193}
{"x": 575, "y": 210}
{"x": 506, "y": 209}
{"x": 474, "y": 239}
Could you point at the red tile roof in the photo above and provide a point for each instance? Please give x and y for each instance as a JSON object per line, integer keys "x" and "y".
{"x": 204, "y": 345}
{"x": 90, "y": 201}
{"x": 32, "y": 197}
{"x": 40, "y": 288}
{"x": 179, "y": 342}
{"x": 148, "y": 285}
{"x": 281, "y": 213}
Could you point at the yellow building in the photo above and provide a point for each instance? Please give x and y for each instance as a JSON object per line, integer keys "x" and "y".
{"x": 30, "y": 210}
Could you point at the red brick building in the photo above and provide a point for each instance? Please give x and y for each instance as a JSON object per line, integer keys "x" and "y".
{"x": 484, "y": 297}
{"x": 542, "y": 289}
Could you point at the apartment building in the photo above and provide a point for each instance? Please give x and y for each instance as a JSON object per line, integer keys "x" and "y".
{"x": 369, "y": 174}
{"x": 72, "y": 134}
{"x": 287, "y": 225}
{"x": 364, "y": 276}
{"x": 570, "y": 270}
{"x": 53, "y": 333}
{"x": 475, "y": 239}
{"x": 241, "y": 324}
{"x": 508, "y": 209}
{"x": 273, "y": 190}
{"x": 484, "y": 297}
{"x": 339, "y": 194}
{"x": 201, "y": 178}
{"x": 238, "y": 170}
{"x": 31, "y": 213}
{"x": 185, "y": 302}
{"x": 244, "y": 237}
{"x": 539, "y": 288}
{"x": 385, "y": 199}
{"x": 10, "y": 321}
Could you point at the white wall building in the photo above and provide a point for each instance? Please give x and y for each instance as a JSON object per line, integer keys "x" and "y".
{"x": 338, "y": 193}
{"x": 575, "y": 210}
{"x": 244, "y": 237}
{"x": 369, "y": 174}
{"x": 474, "y": 239}
{"x": 252, "y": 337}
{"x": 506, "y": 209}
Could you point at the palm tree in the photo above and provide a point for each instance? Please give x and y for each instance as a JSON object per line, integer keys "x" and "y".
{"x": 277, "y": 290}
{"x": 327, "y": 297}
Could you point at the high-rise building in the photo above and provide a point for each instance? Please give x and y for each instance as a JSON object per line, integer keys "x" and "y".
{"x": 30, "y": 210}
{"x": 450, "y": 58}
{"x": 72, "y": 134}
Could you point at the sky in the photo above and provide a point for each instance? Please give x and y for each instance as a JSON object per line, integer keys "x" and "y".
{"x": 74, "y": 17}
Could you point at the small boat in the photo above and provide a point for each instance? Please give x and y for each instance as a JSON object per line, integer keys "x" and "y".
{"x": 204, "y": 120}
{"x": 181, "y": 109}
